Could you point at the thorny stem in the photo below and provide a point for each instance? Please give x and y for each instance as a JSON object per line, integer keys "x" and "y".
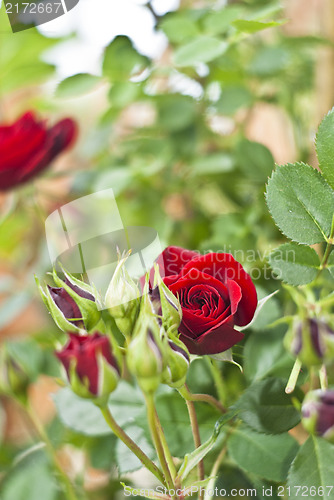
{"x": 197, "y": 438}
{"x": 205, "y": 398}
{"x": 151, "y": 414}
{"x": 118, "y": 431}
{"x": 165, "y": 446}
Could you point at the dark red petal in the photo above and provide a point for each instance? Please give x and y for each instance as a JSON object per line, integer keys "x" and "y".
{"x": 214, "y": 341}
{"x": 224, "y": 267}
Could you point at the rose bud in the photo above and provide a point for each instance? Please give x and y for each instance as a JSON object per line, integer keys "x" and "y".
{"x": 91, "y": 365}
{"x": 318, "y": 413}
{"x": 311, "y": 340}
{"x": 14, "y": 379}
{"x": 122, "y": 299}
{"x": 165, "y": 304}
{"x": 28, "y": 146}
{"x": 144, "y": 355}
{"x": 71, "y": 304}
{"x": 215, "y": 294}
{"x": 177, "y": 360}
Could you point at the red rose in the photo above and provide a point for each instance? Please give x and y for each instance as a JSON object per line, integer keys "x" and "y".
{"x": 81, "y": 354}
{"x": 215, "y": 293}
{"x": 28, "y": 146}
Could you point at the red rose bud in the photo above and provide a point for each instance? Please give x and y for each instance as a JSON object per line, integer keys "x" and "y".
{"x": 123, "y": 299}
{"x": 215, "y": 294}
{"x": 177, "y": 360}
{"x": 72, "y": 304}
{"x": 91, "y": 365}
{"x": 318, "y": 413}
{"x": 144, "y": 355}
{"x": 28, "y": 146}
{"x": 311, "y": 340}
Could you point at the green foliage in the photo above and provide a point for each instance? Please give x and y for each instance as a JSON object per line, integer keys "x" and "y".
{"x": 264, "y": 455}
{"x": 266, "y": 408}
{"x": 301, "y": 203}
{"x": 311, "y": 471}
{"x": 325, "y": 148}
{"x": 295, "y": 264}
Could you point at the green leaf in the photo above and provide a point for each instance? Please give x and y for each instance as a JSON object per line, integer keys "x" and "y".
{"x": 264, "y": 455}
{"x": 254, "y": 26}
{"x": 255, "y": 160}
{"x": 176, "y": 112}
{"x": 202, "y": 49}
{"x": 330, "y": 264}
{"x": 301, "y": 203}
{"x": 294, "y": 264}
{"x": 82, "y": 416}
{"x": 30, "y": 480}
{"x": 125, "y": 459}
{"x": 312, "y": 470}
{"x": 121, "y": 60}
{"x": 265, "y": 355}
{"x": 215, "y": 163}
{"x": 216, "y": 22}
{"x": 265, "y": 407}
{"x": 262, "y": 311}
{"x": 76, "y": 85}
{"x": 124, "y": 93}
{"x": 179, "y": 27}
{"x": 325, "y": 147}
{"x": 232, "y": 99}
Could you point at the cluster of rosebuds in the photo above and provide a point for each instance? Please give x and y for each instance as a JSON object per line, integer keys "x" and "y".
{"x": 311, "y": 340}
{"x": 92, "y": 357}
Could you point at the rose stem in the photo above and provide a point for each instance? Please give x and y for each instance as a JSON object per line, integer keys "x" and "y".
{"x": 167, "y": 452}
{"x": 329, "y": 248}
{"x": 68, "y": 486}
{"x": 151, "y": 414}
{"x": 290, "y": 386}
{"x": 205, "y": 398}
{"x": 118, "y": 431}
{"x": 218, "y": 379}
{"x": 197, "y": 438}
{"x": 214, "y": 471}
{"x": 323, "y": 378}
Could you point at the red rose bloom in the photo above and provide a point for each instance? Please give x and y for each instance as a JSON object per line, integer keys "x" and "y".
{"x": 215, "y": 293}
{"x": 28, "y": 146}
{"x": 82, "y": 351}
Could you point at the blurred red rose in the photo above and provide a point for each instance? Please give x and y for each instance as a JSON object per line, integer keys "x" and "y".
{"x": 28, "y": 146}
{"x": 215, "y": 293}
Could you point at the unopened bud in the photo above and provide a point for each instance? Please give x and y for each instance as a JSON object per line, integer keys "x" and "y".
{"x": 177, "y": 361}
{"x": 318, "y": 413}
{"x": 91, "y": 365}
{"x": 144, "y": 356}
{"x": 122, "y": 299}
{"x": 165, "y": 304}
{"x": 311, "y": 340}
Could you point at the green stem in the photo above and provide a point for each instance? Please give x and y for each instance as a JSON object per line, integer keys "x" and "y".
{"x": 205, "y": 398}
{"x": 118, "y": 431}
{"x": 323, "y": 378}
{"x": 197, "y": 438}
{"x": 329, "y": 247}
{"x": 68, "y": 486}
{"x": 218, "y": 379}
{"x": 165, "y": 446}
{"x": 151, "y": 414}
{"x": 290, "y": 386}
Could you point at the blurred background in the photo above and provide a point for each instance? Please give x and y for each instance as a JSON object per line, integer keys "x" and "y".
{"x": 183, "y": 108}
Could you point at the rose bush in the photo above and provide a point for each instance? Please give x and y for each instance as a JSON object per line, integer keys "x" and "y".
{"x": 27, "y": 147}
{"x": 215, "y": 293}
